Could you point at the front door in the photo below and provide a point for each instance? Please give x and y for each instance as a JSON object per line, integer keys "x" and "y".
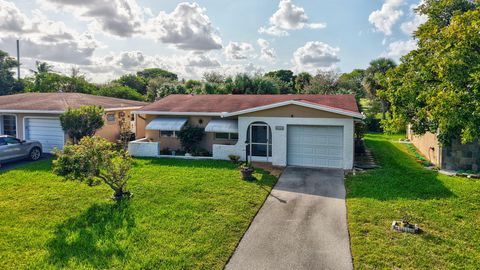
{"x": 259, "y": 140}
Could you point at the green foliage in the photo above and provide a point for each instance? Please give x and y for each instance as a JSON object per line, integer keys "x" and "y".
{"x": 374, "y": 81}
{"x": 234, "y": 158}
{"x": 190, "y": 136}
{"x": 46, "y": 81}
{"x": 352, "y": 82}
{"x": 436, "y": 87}
{"x": 133, "y": 81}
{"x": 82, "y": 121}
{"x": 94, "y": 160}
{"x": 302, "y": 80}
{"x": 285, "y": 76}
{"x": 8, "y": 84}
{"x": 119, "y": 91}
{"x": 324, "y": 82}
{"x": 162, "y": 87}
{"x": 153, "y": 73}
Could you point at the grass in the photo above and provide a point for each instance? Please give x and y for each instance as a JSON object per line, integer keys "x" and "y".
{"x": 184, "y": 215}
{"x": 446, "y": 208}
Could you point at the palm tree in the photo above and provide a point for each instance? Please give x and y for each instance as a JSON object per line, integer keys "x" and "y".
{"x": 373, "y": 80}
{"x": 42, "y": 67}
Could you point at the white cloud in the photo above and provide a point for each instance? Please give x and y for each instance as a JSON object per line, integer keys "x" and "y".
{"x": 315, "y": 55}
{"x": 43, "y": 39}
{"x": 201, "y": 60}
{"x": 122, "y": 18}
{"x": 288, "y": 17}
{"x": 411, "y": 26}
{"x": 385, "y": 18}
{"x": 238, "y": 50}
{"x": 266, "y": 53}
{"x": 399, "y": 48}
{"x": 187, "y": 27}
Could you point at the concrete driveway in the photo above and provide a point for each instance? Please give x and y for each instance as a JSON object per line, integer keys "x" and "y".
{"x": 302, "y": 225}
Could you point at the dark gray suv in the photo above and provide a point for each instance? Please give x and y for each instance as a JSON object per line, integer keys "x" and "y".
{"x": 12, "y": 148}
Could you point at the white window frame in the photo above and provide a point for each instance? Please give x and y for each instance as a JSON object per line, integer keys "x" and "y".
{"x": 16, "y": 124}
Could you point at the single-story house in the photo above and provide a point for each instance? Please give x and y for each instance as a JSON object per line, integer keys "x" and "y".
{"x": 457, "y": 156}
{"x": 301, "y": 130}
{"x": 35, "y": 116}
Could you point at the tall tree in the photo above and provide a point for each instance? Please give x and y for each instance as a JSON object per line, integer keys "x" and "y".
{"x": 286, "y": 76}
{"x": 8, "y": 84}
{"x": 353, "y": 82}
{"x": 151, "y": 73}
{"x": 133, "y": 81}
{"x": 374, "y": 81}
{"x": 437, "y": 86}
{"x": 302, "y": 80}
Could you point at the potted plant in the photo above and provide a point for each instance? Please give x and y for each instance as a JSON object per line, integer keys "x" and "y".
{"x": 247, "y": 170}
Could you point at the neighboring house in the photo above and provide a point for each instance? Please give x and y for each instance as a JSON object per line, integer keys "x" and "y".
{"x": 457, "y": 156}
{"x": 35, "y": 116}
{"x": 302, "y": 130}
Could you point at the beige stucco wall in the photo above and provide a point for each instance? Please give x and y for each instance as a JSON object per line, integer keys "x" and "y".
{"x": 174, "y": 143}
{"x": 295, "y": 111}
{"x": 426, "y": 144}
{"x": 110, "y": 131}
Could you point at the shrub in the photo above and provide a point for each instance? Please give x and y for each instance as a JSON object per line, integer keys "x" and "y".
{"x": 200, "y": 152}
{"x": 190, "y": 136}
{"x": 234, "y": 158}
{"x": 94, "y": 160}
{"x": 81, "y": 122}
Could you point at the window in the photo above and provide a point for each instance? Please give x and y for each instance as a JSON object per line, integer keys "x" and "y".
{"x": 168, "y": 133}
{"x": 2, "y": 141}
{"x": 10, "y": 140}
{"x": 226, "y": 136}
{"x": 9, "y": 125}
{"x": 110, "y": 117}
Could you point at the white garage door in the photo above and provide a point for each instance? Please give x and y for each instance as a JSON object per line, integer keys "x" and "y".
{"x": 47, "y": 131}
{"x": 315, "y": 146}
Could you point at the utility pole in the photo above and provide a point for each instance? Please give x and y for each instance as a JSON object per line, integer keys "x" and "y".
{"x": 18, "y": 59}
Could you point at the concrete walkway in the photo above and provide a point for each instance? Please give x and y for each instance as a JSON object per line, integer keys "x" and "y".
{"x": 302, "y": 225}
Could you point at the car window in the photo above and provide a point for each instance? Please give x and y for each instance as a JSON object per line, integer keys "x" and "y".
{"x": 9, "y": 140}
{"x": 2, "y": 141}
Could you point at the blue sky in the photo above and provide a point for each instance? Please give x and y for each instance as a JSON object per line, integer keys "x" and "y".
{"x": 106, "y": 38}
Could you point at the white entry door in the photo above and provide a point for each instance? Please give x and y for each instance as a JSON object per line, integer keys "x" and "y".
{"x": 48, "y": 131}
{"x": 315, "y": 146}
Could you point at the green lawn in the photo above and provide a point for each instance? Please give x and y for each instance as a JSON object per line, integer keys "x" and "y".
{"x": 446, "y": 208}
{"x": 184, "y": 215}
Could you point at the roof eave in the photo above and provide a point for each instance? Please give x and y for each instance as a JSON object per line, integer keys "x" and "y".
{"x": 299, "y": 103}
{"x": 179, "y": 113}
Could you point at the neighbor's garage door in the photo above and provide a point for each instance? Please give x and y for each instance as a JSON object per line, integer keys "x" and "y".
{"x": 315, "y": 146}
{"x": 46, "y": 130}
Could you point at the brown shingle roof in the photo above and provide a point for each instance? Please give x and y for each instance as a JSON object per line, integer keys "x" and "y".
{"x": 61, "y": 101}
{"x": 233, "y": 103}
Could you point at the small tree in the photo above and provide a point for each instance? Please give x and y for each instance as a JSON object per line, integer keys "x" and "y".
{"x": 81, "y": 122}
{"x": 125, "y": 131}
{"x": 190, "y": 136}
{"x": 94, "y": 160}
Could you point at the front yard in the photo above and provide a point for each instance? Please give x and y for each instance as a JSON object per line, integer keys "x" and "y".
{"x": 184, "y": 214}
{"x": 446, "y": 208}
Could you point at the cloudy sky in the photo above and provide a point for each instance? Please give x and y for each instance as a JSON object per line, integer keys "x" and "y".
{"x": 107, "y": 38}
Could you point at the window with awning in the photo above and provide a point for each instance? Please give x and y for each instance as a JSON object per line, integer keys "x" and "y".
{"x": 222, "y": 126}
{"x": 166, "y": 124}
